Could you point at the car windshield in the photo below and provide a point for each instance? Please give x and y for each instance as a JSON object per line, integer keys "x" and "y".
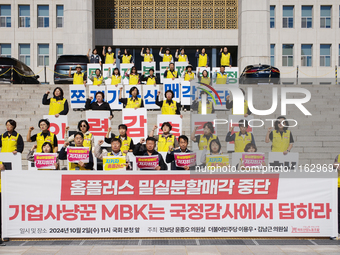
{"x": 72, "y": 59}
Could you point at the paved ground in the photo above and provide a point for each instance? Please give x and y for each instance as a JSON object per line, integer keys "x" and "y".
{"x": 174, "y": 246}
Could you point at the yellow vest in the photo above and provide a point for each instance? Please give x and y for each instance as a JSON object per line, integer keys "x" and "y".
{"x": 171, "y": 75}
{"x": 241, "y": 143}
{"x": 169, "y": 109}
{"x": 225, "y": 59}
{"x": 209, "y": 107}
{"x": 205, "y": 80}
{"x": 148, "y": 57}
{"x": 133, "y": 104}
{"x": 182, "y": 58}
{"x": 109, "y": 58}
{"x": 56, "y": 106}
{"x": 133, "y": 79}
{"x": 126, "y": 59}
{"x": 125, "y": 144}
{"x": 98, "y": 81}
{"x": 116, "y": 80}
{"x": 41, "y": 140}
{"x": 202, "y": 60}
{"x": 338, "y": 173}
{"x": 167, "y": 58}
{"x": 0, "y": 178}
{"x": 189, "y": 77}
{"x": 88, "y": 140}
{"x": 9, "y": 144}
{"x": 78, "y": 79}
{"x": 151, "y": 81}
{"x": 280, "y": 144}
{"x": 205, "y": 142}
{"x": 221, "y": 78}
{"x": 165, "y": 142}
{"x": 245, "y": 110}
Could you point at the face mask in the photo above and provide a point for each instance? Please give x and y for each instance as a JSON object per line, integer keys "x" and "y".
{"x": 109, "y": 50}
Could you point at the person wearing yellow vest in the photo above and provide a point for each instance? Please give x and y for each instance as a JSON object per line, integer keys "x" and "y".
{"x": 167, "y": 57}
{"x": 44, "y": 136}
{"x": 125, "y": 58}
{"x": 207, "y": 136}
{"x": 46, "y": 148}
{"x": 282, "y": 138}
{"x": 166, "y": 141}
{"x": 83, "y": 126}
{"x": 109, "y": 56}
{"x": 126, "y": 141}
{"x": 229, "y": 105}
{"x": 242, "y": 138}
{"x": 204, "y": 79}
{"x": 182, "y": 57}
{"x": 94, "y": 58}
{"x": 78, "y": 77}
{"x": 132, "y": 75}
{"x": 99, "y": 104}
{"x": 168, "y": 106}
{"x": 148, "y": 57}
{"x": 225, "y": 57}
{"x": 78, "y": 141}
{"x": 133, "y": 101}
{"x": 188, "y": 75}
{"x": 197, "y": 104}
{"x": 116, "y": 79}
{"x": 170, "y": 72}
{"x": 58, "y": 104}
{"x": 203, "y": 58}
{"x": 11, "y": 141}
{"x": 221, "y": 77}
{"x": 336, "y": 166}
{"x": 97, "y": 79}
{"x": 151, "y": 79}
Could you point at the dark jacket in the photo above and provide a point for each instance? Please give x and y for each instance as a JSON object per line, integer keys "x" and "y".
{"x": 140, "y": 150}
{"x": 94, "y": 106}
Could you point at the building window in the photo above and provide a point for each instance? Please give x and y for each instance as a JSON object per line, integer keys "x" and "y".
{"x": 60, "y": 15}
{"x": 60, "y": 49}
{"x": 306, "y": 55}
{"x": 325, "y": 16}
{"x": 43, "y": 55}
{"x": 272, "y": 54}
{"x": 325, "y": 55}
{"x": 287, "y": 54}
{"x": 272, "y": 16}
{"x": 24, "y": 53}
{"x": 306, "y": 16}
{"x": 24, "y": 16}
{"x": 43, "y": 16}
{"x": 5, "y": 50}
{"x": 288, "y": 16}
{"x": 5, "y": 16}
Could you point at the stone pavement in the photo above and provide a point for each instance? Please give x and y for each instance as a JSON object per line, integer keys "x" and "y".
{"x": 174, "y": 246}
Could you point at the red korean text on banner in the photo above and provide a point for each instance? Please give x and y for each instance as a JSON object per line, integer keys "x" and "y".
{"x": 147, "y": 162}
{"x": 185, "y": 159}
{"x": 76, "y": 154}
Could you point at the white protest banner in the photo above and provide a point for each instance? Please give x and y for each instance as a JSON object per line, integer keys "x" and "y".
{"x": 77, "y": 96}
{"x": 278, "y": 160}
{"x": 99, "y": 124}
{"x": 147, "y": 162}
{"x": 94, "y": 89}
{"x": 57, "y": 127}
{"x": 146, "y": 66}
{"x": 162, "y": 69}
{"x": 136, "y": 122}
{"x": 174, "y": 85}
{"x": 69, "y": 204}
{"x": 174, "y": 120}
{"x": 232, "y": 74}
{"x": 107, "y": 72}
{"x": 11, "y": 161}
{"x": 112, "y": 96}
{"x": 180, "y": 68}
{"x": 91, "y": 70}
{"x": 185, "y": 93}
{"x": 200, "y": 70}
{"x": 149, "y": 96}
{"x": 45, "y": 160}
{"x": 123, "y": 69}
{"x": 233, "y": 121}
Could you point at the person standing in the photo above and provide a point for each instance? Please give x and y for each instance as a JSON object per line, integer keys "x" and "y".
{"x": 109, "y": 56}
{"x": 99, "y": 104}
{"x": 58, "y": 104}
{"x": 148, "y": 57}
{"x": 167, "y": 57}
{"x": 94, "y": 58}
{"x": 44, "y": 136}
{"x": 182, "y": 57}
{"x": 168, "y": 105}
{"x": 97, "y": 79}
{"x": 11, "y": 141}
{"x": 225, "y": 57}
{"x": 203, "y": 58}
{"x": 126, "y": 58}
{"x": 78, "y": 76}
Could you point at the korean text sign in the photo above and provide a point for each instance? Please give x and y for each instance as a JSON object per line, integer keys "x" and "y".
{"x": 76, "y": 154}
{"x": 185, "y": 159}
{"x": 45, "y": 160}
{"x": 114, "y": 163}
{"x": 147, "y": 162}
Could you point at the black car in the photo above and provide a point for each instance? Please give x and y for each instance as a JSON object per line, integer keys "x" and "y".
{"x": 254, "y": 74}
{"x": 20, "y": 73}
{"x": 63, "y": 64}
